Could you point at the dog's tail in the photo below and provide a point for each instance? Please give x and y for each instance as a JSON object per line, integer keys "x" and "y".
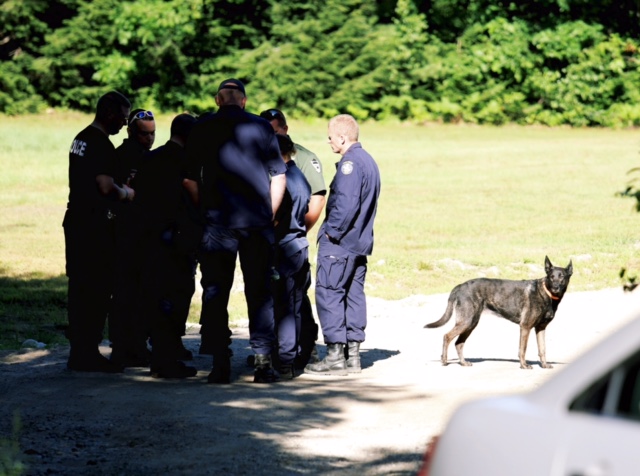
{"x": 447, "y": 313}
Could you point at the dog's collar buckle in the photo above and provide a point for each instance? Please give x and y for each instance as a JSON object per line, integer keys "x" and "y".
{"x": 546, "y": 290}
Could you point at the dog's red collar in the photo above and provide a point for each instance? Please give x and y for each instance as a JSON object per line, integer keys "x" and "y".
{"x": 544, "y": 286}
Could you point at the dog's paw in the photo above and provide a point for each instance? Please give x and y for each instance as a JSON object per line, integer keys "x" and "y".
{"x": 525, "y": 366}
{"x": 546, "y": 366}
{"x": 464, "y": 363}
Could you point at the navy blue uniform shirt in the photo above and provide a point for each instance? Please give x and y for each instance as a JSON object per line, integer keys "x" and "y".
{"x": 353, "y": 201}
{"x": 232, "y": 154}
{"x": 291, "y": 231}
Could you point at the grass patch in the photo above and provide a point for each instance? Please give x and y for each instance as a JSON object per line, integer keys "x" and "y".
{"x": 32, "y": 307}
{"x": 11, "y": 463}
{"x": 457, "y": 202}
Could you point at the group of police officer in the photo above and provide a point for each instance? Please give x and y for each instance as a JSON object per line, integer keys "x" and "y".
{"x": 225, "y": 186}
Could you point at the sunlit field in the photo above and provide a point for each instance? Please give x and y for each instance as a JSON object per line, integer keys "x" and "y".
{"x": 457, "y": 202}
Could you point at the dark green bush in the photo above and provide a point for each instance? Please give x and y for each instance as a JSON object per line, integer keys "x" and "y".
{"x": 548, "y": 62}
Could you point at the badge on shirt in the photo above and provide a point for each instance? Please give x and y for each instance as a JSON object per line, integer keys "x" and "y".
{"x": 347, "y": 167}
{"x": 316, "y": 165}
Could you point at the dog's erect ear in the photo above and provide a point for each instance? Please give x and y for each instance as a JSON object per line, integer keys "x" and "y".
{"x": 547, "y": 264}
{"x": 569, "y": 268}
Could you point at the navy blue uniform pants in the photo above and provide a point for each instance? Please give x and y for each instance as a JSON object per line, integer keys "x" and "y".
{"x": 340, "y": 298}
{"x": 309, "y": 328}
{"x": 219, "y": 249}
{"x": 288, "y": 292}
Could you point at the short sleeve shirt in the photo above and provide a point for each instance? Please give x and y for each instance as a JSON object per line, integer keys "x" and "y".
{"x": 233, "y": 154}
{"x": 311, "y": 167}
{"x": 291, "y": 232}
{"x": 91, "y": 154}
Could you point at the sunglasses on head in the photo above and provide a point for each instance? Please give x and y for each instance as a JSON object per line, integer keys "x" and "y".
{"x": 141, "y": 115}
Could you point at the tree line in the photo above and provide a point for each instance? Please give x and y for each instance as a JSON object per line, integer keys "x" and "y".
{"x": 549, "y": 62}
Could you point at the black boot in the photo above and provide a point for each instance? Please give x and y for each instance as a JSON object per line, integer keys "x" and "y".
{"x": 308, "y": 357}
{"x": 183, "y": 352}
{"x": 175, "y": 369}
{"x": 353, "y": 357}
{"x": 333, "y": 364}
{"x": 264, "y": 372}
{"x": 314, "y": 358}
{"x": 286, "y": 372}
{"x": 221, "y": 371}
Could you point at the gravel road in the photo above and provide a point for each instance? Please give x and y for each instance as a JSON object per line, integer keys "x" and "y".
{"x": 374, "y": 423}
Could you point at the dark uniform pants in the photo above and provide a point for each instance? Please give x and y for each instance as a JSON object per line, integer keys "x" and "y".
{"x": 89, "y": 252}
{"x": 288, "y": 292}
{"x": 340, "y": 298}
{"x": 219, "y": 249}
{"x": 168, "y": 286}
{"x": 128, "y": 325}
{"x": 309, "y": 328}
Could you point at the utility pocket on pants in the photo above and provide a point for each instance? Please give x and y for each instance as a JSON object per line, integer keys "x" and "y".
{"x": 331, "y": 270}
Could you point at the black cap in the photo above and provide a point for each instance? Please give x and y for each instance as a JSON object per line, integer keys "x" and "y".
{"x": 232, "y": 83}
{"x": 272, "y": 114}
{"x": 285, "y": 143}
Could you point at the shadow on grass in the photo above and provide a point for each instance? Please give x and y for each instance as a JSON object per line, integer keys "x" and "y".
{"x": 132, "y": 424}
{"x": 32, "y": 307}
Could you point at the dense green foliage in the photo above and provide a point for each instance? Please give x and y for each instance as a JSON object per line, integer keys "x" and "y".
{"x": 482, "y": 61}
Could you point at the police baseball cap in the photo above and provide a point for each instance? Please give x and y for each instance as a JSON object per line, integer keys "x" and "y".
{"x": 232, "y": 83}
{"x": 272, "y": 114}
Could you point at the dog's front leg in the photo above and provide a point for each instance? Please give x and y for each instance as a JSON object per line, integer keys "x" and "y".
{"x": 524, "y": 337}
{"x": 542, "y": 348}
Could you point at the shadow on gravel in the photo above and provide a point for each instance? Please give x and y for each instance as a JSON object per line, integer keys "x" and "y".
{"x": 87, "y": 423}
{"x": 368, "y": 357}
{"x": 515, "y": 361}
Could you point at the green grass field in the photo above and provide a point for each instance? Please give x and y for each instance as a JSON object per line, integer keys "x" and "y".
{"x": 457, "y": 202}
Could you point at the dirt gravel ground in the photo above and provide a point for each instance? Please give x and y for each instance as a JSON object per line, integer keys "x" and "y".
{"x": 374, "y": 423}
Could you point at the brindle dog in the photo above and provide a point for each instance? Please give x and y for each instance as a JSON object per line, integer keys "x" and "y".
{"x": 532, "y": 304}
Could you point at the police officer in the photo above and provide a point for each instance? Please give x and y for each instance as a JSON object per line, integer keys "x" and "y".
{"x": 89, "y": 233}
{"x": 128, "y": 325}
{"x": 141, "y": 135}
{"x": 292, "y": 260}
{"x": 345, "y": 240}
{"x": 171, "y": 236}
{"x": 311, "y": 167}
{"x": 237, "y": 173}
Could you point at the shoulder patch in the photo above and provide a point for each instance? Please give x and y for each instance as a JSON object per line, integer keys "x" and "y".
{"x": 316, "y": 165}
{"x": 347, "y": 167}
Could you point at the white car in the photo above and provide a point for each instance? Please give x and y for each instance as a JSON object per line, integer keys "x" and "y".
{"x": 583, "y": 421}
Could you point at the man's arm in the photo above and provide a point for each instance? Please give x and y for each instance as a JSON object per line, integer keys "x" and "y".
{"x": 108, "y": 188}
{"x": 278, "y": 186}
{"x": 345, "y": 204}
{"x": 316, "y": 205}
{"x": 191, "y": 186}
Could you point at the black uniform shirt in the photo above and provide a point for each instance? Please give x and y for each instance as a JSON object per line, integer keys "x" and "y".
{"x": 159, "y": 185}
{"x": 128, "y": 157}
{"x": 91, "y": 154}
